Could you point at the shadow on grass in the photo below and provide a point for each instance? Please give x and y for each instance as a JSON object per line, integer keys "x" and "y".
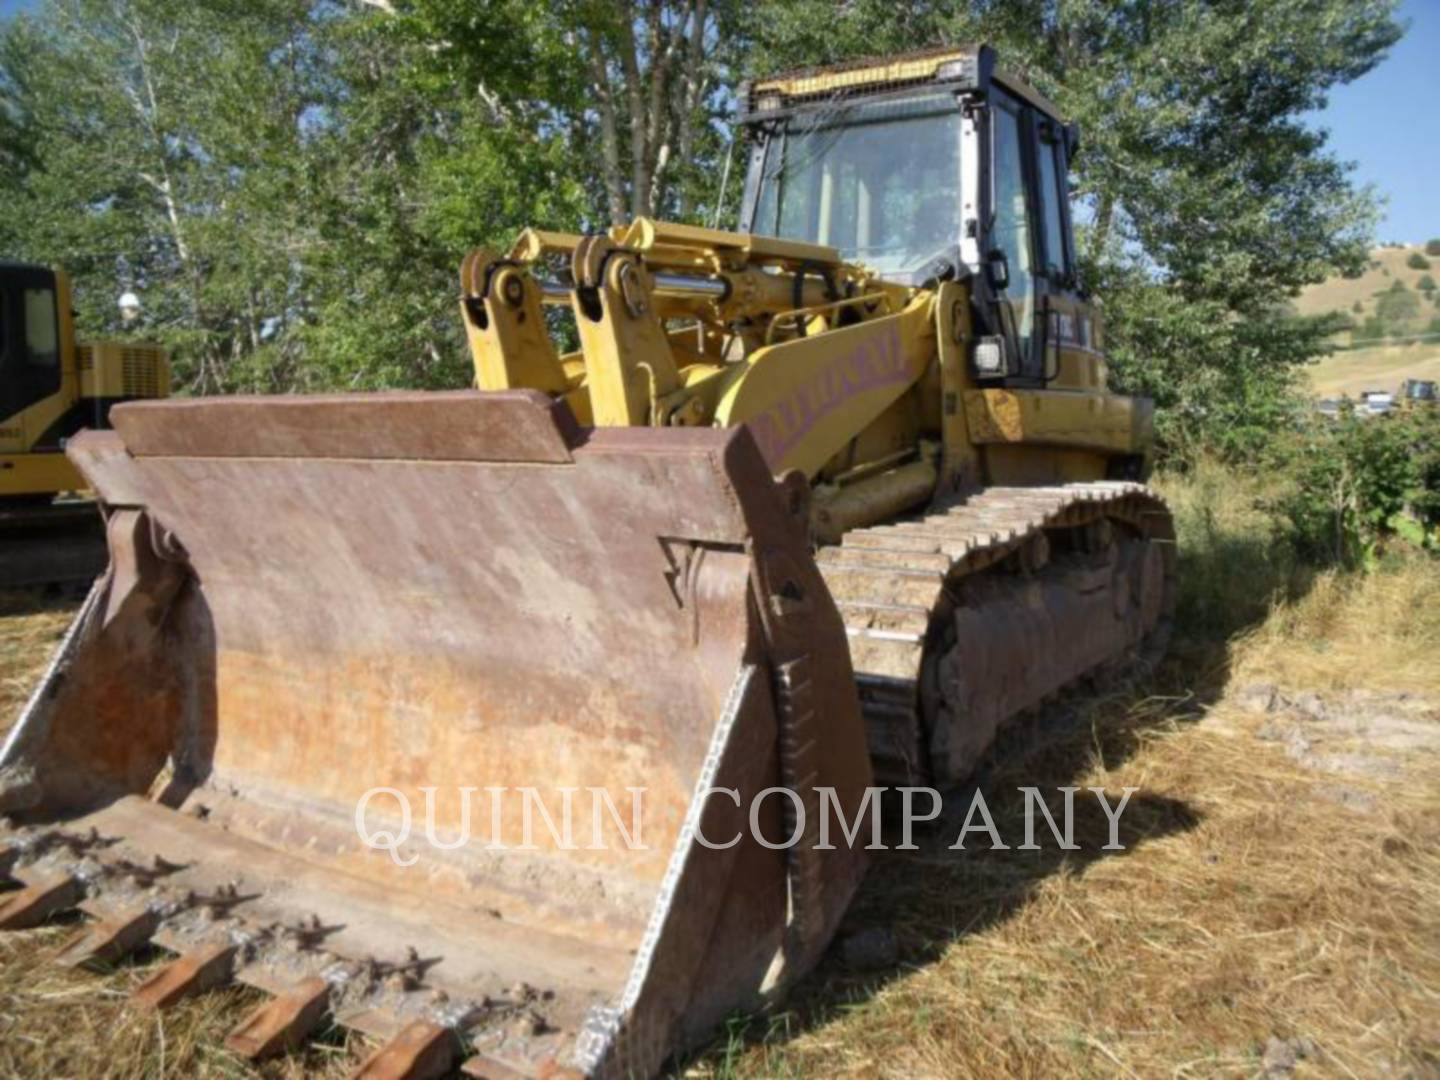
{"x": 1230, "y": 580}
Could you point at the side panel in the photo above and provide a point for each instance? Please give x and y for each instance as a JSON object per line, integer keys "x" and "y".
{"x": 38, "y": 474}
{"x": 1108, "y": 423}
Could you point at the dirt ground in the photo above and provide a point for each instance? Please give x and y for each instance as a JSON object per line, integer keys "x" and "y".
{"x": 1274, "y": 912}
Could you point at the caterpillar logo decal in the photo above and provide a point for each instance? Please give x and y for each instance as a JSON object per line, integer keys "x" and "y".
{"x": 874, "y": 363}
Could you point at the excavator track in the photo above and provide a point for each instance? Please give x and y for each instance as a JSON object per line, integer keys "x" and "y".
{"x": 965, "y": 616}
{"x": 51, "y": 544}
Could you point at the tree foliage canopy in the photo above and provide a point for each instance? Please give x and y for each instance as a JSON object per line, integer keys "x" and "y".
{"x": 290, "y": 184}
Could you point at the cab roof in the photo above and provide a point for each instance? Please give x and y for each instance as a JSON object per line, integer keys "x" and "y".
{"x": 965, "y": 67}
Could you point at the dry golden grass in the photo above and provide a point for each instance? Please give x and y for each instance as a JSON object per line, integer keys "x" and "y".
{"x": 1383, "y": 367}
{"x": 1262, "y": 895}
{"x": 31, "y": 625}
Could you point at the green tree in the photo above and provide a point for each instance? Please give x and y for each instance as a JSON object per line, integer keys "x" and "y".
{"x": 163, "y": 154}
{"x": 295, "y": 184}
{"x": 421, "y": 160}
{"x": 1432, "y": 247}
{"x": 1371, "y": 330}
{"x": 1426, "y": 284}
{"x": 1417, "y": 261}
{"x": 1397, "y": 307}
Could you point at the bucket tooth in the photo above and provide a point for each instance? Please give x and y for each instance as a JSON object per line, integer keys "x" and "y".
{"x": 421, "y": 1051}
{"x": 35, "y": 903}
{"x": 193, "y": 973}
{"x": 283, "y": 1023}
{"x": 108, "y": 940}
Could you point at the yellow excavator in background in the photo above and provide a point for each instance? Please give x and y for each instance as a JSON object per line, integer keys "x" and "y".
{"x": 50, "y": 389}
{"x": 818, "y": 506}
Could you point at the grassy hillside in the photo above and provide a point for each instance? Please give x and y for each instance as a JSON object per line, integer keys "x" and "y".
{"x": 1382, "y": 365}
{"x": 1387, "y": 266}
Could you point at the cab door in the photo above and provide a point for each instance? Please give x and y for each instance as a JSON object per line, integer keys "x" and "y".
{"x": 1014, "y": 212}
{"x": 1031, "y": 229}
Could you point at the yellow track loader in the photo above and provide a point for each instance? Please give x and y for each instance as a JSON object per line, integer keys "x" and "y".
{"x": 527, "y": 718}
{"x": 50, "y": 389}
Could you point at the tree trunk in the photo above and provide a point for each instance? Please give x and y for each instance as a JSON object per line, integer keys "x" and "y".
{"x": 609, "y": 128}
{"x": 635, "y": 92}
{"x": 692, "y": 94}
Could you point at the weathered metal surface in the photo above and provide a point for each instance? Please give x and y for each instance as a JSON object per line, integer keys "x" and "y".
{"x": 486, "y": 1067}
{"x": 343, "y": 594}
{"x": 927, "y": 592}
{"x": 404, "y": 425}
{"x": 1096, "y": 420}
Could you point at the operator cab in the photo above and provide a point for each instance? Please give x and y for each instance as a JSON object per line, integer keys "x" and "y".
{"x": 922, "y": 168}
{"x": 30, "y": 344}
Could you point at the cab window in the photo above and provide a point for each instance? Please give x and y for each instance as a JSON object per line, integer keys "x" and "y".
{"x": 42, "y": 332}
{"x": 1052, "y": 200}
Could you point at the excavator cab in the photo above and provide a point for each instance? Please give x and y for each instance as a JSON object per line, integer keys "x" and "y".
{"x": 941, "y": 169}
{"x": 35, "y": 343}
{"x": 52, "y": 387}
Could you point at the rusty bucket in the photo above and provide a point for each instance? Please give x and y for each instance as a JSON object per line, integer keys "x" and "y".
{"x": 407, "y": 708}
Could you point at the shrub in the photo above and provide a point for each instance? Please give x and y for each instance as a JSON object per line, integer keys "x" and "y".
{"x": 1426, "y": 284}
{"x": 1433, "y": 247}
{"x": 1417, "y": 261}
{"x": 1372, "y": 329}
{"x": 1358, "y": 484}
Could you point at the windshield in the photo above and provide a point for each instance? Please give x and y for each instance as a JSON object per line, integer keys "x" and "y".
{"x": 880, "y": 181}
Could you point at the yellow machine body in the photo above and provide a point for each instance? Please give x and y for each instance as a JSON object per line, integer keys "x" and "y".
{"x": 690, "y": 327}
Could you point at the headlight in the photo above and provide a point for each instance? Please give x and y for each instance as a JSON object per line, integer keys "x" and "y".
{"x": 990, "y": 357}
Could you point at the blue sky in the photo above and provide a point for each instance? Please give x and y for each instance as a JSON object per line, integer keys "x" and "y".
{"x": 1388, "y": 123}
